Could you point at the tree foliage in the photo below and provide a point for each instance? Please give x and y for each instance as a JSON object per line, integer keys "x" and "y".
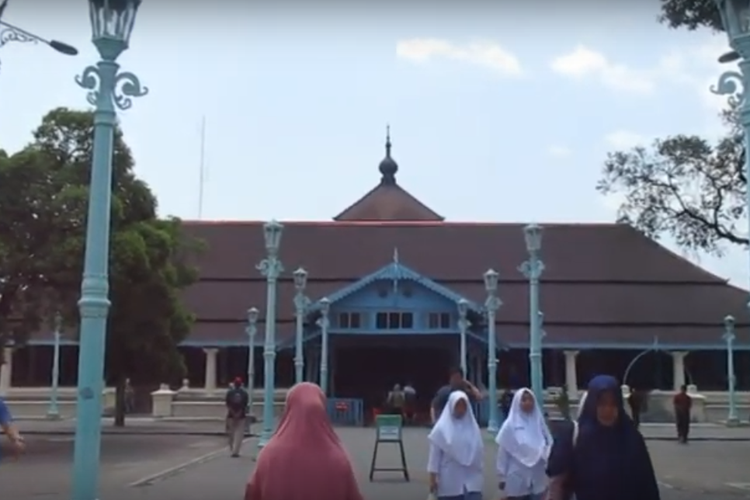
{"x": 690, "y": 14}
{"x": 44, "y": 200}
{"x": 684, "y": 186}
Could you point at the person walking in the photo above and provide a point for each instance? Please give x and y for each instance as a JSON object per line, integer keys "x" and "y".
{"x": 683, "y": 404}
{"x": 603, "y": 456}
{"x": 562, "y": 401}
{"x": 524, "y": 444}
{"x": 304, "y": 459}
{"x": 456, "y": 382}
{"x": 456, "y": 458}
{"x": 396, "y": 401}
{"x": 236, "y": 401}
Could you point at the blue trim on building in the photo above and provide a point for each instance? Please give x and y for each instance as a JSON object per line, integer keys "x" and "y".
{"x": 395, "y": 272}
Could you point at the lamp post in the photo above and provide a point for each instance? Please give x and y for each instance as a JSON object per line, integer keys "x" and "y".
{"x": 271, "y": 268}
{"x": 533, "y": 269}
{"x": 112, "y": 23}
{"x": 11, "y": 33}
{"x": 252, "y": 331}
{"x": 53, "y": 413}
{"x": 300, "y": 306}
{"x": 735, "y": 17}
{"x": 732, "y": 418}
{"x": 492, "y": 304}
{"x": 463, "y": 325}
{"x": 325, "y": 309}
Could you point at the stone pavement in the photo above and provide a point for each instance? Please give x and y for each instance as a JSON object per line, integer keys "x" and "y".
{"x": 686, "y": 472}
{"x": 45, "y": 468}
{"x": 215, "y": 427}
{"x": 133, "y": 426}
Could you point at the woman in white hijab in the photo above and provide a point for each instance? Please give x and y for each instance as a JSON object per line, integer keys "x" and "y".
{"x": 456, "y": 461}
{"x": 524, "y": 443}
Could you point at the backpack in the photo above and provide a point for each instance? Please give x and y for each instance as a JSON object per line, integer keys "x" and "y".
{"x": 236, "y": 401}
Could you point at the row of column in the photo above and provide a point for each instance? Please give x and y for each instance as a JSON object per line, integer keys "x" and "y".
{"x": 571, "y": 373}
{"x": 571, "y": 370}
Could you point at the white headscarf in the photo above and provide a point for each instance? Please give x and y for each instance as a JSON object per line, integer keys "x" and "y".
{"x": 459, "y": 438}
{"x": 525, "y": 436}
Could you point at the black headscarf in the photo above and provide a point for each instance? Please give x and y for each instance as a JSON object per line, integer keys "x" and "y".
{"x": 606, "y": 462}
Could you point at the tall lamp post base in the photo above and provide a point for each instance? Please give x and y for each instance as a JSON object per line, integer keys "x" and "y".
{"x": 732, "y": 422}
{"x": 53, "y": 415}
{"x": 492, "y": 427}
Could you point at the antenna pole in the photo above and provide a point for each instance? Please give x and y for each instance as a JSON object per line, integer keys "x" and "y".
{"x": 202, "y": 169}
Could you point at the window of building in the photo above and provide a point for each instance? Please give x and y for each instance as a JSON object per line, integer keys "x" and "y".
{"x": 350, "y": 320}
{"x": 394, "y": 320}
{"x": 437, "y": 321}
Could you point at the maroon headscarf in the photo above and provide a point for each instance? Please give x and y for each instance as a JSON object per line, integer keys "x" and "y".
{"x": 304, "y": 460}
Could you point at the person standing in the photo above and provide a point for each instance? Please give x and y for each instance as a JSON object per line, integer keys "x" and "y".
{"x": 10, "y": 430}
{"x": 456, "y": 460}
{"x": 236, "y": 402}
{"x": 410, "y": 408}
{"x": 396, "y": 401}
{"x": 636, "y": 401}
{"x": 456, "y": 382}
{"x": 524, "y": 444}
{"x": 304, "y": 459}
{"x": 683, "y": 403}
{"x": 603, "y": 456}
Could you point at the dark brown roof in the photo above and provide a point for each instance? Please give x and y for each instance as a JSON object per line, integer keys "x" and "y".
{"x": 388, "y": 202}
{"x": 602, "y": 282}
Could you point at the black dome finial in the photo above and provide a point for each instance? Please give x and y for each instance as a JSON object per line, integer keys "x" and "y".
{"x": 388, "y": 167}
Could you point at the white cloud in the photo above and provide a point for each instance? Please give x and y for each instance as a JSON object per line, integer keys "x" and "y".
{"x": 583, "y": 63}
{"x": 558, "y": 151}
{"x": 623, "y": 139}
{"x": 485, "y": 54}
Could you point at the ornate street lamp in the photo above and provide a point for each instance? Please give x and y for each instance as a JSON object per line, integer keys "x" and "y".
{"x": 53, "y": 413}
{"x": 11, "y": 33}
{"x": 735, "y": 16}
{"x": 533, "y": 269}
{"x": 112, "y": 23}
{"x": 492, "y": 304}
{"x": 325, "y": 309}
{"x": 271, "y": 268}
{"x": 300, "y": 306}
{"x": 729, "y": 336}
{"x": 252, "y": 332}
{"x": 463, "y": 325}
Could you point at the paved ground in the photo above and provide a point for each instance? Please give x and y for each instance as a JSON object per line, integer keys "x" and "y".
{"x": 215, "y": 427}
{"x": 686, "y": 472}
{"x": 699, "y": 470}
{"x": 45, "y": 468}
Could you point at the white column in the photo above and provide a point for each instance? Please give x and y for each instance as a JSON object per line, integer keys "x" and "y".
{"x": 6, "y": 371}
{"x": 210, "y": 379}
{"x": 678, "y": 369}
{"x": 571, "y": 375}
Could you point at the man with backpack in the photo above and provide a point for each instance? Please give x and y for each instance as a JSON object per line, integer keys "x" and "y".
{"x": 236, "y": 402}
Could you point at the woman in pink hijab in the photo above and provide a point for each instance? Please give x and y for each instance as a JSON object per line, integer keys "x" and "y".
{"x": 304, "y": 460}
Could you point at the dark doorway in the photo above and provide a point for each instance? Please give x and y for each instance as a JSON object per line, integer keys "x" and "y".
{"x": 368, "y": 370}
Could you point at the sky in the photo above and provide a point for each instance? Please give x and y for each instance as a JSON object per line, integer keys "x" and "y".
{"x": 499, "y": 111}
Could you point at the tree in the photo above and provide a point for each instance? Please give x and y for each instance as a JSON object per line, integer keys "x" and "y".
{"x": 684, "y": 186}
{"x": 149, "y": 257}
{"x": 691, "y": 14}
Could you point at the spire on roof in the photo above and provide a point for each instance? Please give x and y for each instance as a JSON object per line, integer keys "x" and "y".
{"x": 388, "y": 167}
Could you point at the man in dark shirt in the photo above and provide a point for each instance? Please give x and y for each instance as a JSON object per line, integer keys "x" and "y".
{"x": 236, "y": 401}
{"x": 457, "y": 382}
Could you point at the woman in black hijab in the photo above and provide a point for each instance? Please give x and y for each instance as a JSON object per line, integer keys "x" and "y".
{"x": 603, "y": 456}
